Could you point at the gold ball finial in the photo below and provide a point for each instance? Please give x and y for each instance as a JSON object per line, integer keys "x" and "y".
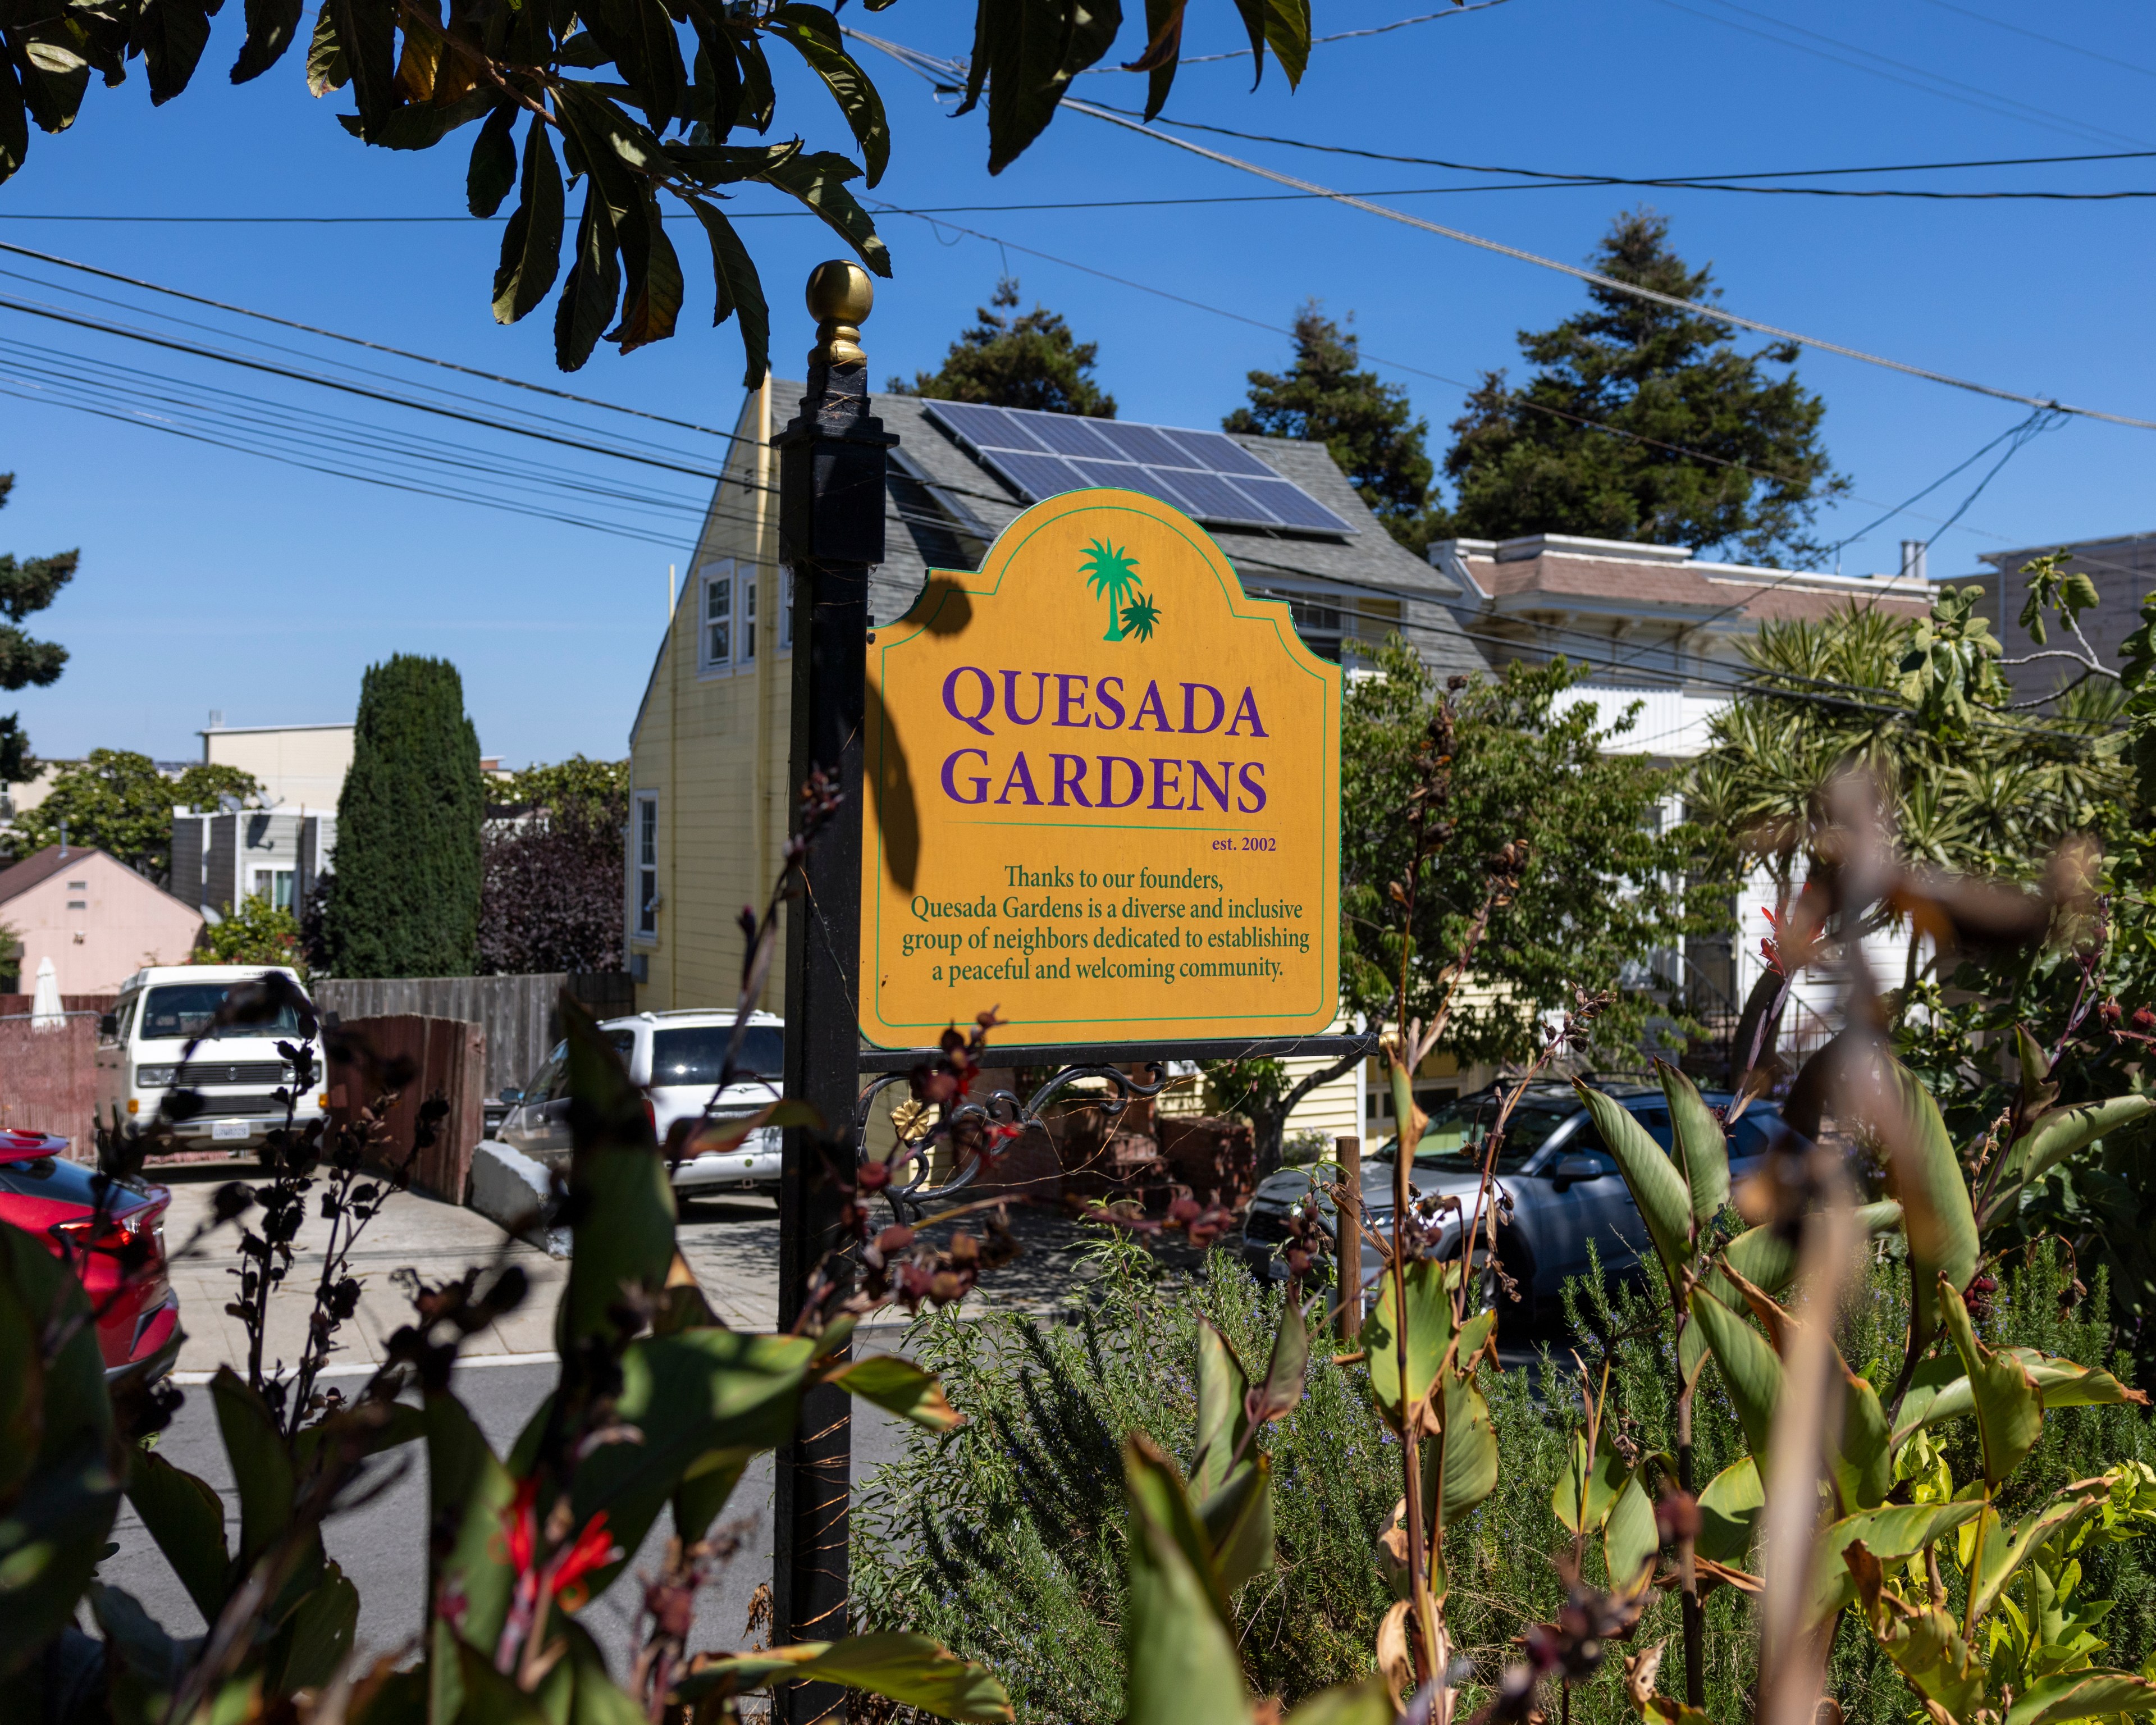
{"x": 841, "y": 296}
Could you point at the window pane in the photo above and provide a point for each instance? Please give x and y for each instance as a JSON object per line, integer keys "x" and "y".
{"x": 748, "y": 619}
{"x": 186, "y": 1009}
{"x": 693, "y": 1055}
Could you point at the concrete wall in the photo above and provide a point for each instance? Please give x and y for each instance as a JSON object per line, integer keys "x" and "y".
{"x": 298, "y": 765}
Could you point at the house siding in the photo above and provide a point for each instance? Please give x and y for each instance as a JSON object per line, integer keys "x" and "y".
{"x": 100, "y": 933}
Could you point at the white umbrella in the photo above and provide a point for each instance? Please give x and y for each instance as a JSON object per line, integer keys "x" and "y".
{"x": 45, "y": 1013}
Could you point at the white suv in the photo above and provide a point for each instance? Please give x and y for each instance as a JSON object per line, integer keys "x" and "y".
{"x": 674, "y": 1057}
{"x": 237, "y": 1071}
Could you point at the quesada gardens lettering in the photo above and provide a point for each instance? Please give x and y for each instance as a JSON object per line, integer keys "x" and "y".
{"x": 1129, "y": 833}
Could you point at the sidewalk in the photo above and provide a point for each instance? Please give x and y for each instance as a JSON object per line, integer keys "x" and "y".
{"x": 732, "y": 1245}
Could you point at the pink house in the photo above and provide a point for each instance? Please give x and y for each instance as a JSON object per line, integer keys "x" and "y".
{"x": 95, "y": 918}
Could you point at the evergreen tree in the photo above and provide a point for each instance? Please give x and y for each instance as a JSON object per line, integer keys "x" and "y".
{"x": 407, "y": 897}
{"x": 1525, "y": 463}
{"x": 26, "y": 587}
{"x": 1021, "y": 360}
{"x": 1365, "y": 422}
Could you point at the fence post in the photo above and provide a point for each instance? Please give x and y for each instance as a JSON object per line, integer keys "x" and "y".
{"x": 1347, "y": 1237}
{"x": 830, "y": 530}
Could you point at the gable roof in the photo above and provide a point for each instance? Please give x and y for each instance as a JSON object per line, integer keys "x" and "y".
{"x": 41, "y": 865}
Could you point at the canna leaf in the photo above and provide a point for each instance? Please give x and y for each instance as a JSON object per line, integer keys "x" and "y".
{"x": 1892, "y": 1534}
{"x": 2004, "y": 1552}
{"x": 1223, "y": 1421}
{"x": 1729, "y": 1512}
{"x": 900, "y": 1387}
{"x": 911, "y": 1670}
{"x": 1286, "y": 1366}
{"x": 2010, "y": 1409}
{"x": 261, "y": 1466}
{"x": 1863, "y": 1462}
{"x": 1371, "y": 1701}
{"x": 1429, "y": 1315}
{"x": 186, "y": 1516}
{"x": 1587, "y": 1488}
{"x": 2064, "y": 1132}
{"x": 1925, "y": 1175}
{"x": 1181, "y": 1659}
{"x": 2082, "y": 1695}
{"x": 1701, "y": 1146}
{"x": 1238, "y": 1520}
{"x": 1657, "y": 1186}
{"x": 1749, "y": 1369}
{"x": 1630, "y": 1540}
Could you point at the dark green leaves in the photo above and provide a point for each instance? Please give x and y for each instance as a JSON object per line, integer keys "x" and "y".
{"x": 493, "y": 168}
{"x": 14, "y": 121}
{"x": 171, "y": 35}
{"x": 1924, "y": 1173}
{"x": 367, "y": 40}
{"x": 186, "y": 1519}
{"x": 272, "y": 27}
{"x": 531, "y": 242}
{"x": 1701, "y": 1147}
{"x": 1749, "y": 1369}
{"x": 820, "y": 181}
{"x": 733, "y": 275}
{"x": 1025, "y": 52}
{"x": 1183, "y": 1669}
{"x": 1657, "y": 1188}
{"x": 815, "y": 34}
{"x": 593, "y": 286}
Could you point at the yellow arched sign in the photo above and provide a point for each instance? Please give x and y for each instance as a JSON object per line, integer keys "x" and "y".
{"x": 1104, "y": 789}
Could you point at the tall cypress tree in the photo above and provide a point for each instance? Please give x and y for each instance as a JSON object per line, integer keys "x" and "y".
{"x": 407, "y": 893}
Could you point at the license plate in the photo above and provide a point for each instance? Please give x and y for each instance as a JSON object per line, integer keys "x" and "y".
{"x": 223, "y": 1132}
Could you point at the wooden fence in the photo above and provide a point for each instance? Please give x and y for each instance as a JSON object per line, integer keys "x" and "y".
{"x": 48, "y": 1078}
{"x": 450, "y": 1055}
{"x": 520, "y": 1014}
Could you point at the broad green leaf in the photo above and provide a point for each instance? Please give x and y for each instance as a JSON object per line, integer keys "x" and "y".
{"x": 468, "y": 1492}
{"x": 492, "y": 170}
{"x": 327, "y": 69}
{"x": 1940, "y": 1389}
{"x": 1183, "y": 1668}
{"x": 170, "y": 35}
{"x": 186, "y": 1516}
{"x": 598, "y": 1700}
{"x": 2009, "y": 1411}
{"x": 490, "y": 1698}
{"x": 261, "y": 1466}
{"x": 819, "y": 180}
{"x": 52, "y": 1533}
{"x": 1701, "y": 1146}
{"x": 2059, "y": 1134}
{"x": 272, "y": 27}
{"x": 1729, "y": 1512}
{"x": 1586, "y": 1490}
{"x": 1768, "y": 1259}
{"x": 911, "y": 1670}
{"x": 1369, "y": 1703}
{"x": 1223, "y": 1423}
{"x": 1630, "y": 1542}
{"x": 421, "y": 125}
{"x": 1238, "y": 1520}
{"x": 1925, "y": 1175}
{"x": 1884, "y": 1217}
{"x": 1863, "y": 1462}
{"x": 900, "y": 1387}
{"x": 706, "y": 1489}
{"x": 1287, "y": 1365}
{"x": 1459, "y": 1464}
{"x": 319, "y": 1633}
{"x": 589, "y": 292}
{"x": 1025, "y": 55}
{"x": 2082, "y": 1695}
{"x": 651, "y": 295}
{"x": 367, "y": 33}
{"x": 1749, "y": 1369}
{"x": 737, "y": 288}
{"x": 1893, "y": 1533}
{"x": 2005, "y": 1550}
{"x": 619, "y": 1192}
{"x": 531, "y": 242}
{"x": 815, "y": 34}
{"x": 722, "y": 164}
{"x": 1657, "y": 1186}
{"x": 1428, "y": 1334}
{"x": 685, "y": 1395}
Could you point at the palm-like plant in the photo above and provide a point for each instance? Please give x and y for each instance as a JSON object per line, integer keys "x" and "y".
{"x": 1113, "y": 573}
{"x": 1139, "y": 617}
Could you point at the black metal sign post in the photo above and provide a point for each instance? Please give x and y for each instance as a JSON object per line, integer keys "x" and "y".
{"x": 830, "y": 530}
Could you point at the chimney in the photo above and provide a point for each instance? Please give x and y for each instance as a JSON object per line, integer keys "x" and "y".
{"x": 1912, "y": 559}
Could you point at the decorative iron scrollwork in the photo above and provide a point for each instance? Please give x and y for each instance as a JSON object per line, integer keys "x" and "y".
{"x": 909, "y": 1192}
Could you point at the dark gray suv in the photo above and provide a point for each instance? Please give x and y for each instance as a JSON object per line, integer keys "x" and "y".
{"x": 1564, "y": 1184}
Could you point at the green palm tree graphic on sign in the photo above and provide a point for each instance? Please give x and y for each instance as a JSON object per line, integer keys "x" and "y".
{"x": 1113, "y": 573}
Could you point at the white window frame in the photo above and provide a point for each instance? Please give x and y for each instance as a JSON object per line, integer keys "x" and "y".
{"x": 709, "y": 579}
{"x": 745, "y": 586}
{"x": 644, "y": 894}
{"x": 262, "y": 884}
{"x": 786, "y": 608}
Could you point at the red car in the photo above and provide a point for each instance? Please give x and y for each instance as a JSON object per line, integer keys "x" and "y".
{"x": 121, "y": 1262}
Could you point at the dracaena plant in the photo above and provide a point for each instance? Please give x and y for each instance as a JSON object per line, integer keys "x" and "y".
{"x": 641, "y": 100}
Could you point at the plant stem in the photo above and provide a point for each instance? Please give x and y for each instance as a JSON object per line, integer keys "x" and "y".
{"x": 1695, "y": 1619}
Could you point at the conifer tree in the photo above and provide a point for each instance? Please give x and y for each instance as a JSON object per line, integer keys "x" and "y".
{"x": 1021, "y": 360}
{"x": 26, "y": 587}
{"x": 406, "y": 900}
{"x": 1365, "y": 422}
{"x": 1597, "y": 443}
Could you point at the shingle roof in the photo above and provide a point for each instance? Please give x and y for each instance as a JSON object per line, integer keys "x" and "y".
{"x": 1373, "y": 559}
{"x": 41, "y": 865}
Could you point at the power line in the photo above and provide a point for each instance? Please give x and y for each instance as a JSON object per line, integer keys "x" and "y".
{"x": 1705, "y": 182}
{"x": 2000, "y": 23}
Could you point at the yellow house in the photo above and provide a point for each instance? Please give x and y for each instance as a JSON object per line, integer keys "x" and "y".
{"x": 709, "y": 745}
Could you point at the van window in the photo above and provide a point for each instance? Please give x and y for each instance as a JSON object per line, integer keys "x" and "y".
{"x": 174, "y": 1009}
{"x": 693, "y": 1055}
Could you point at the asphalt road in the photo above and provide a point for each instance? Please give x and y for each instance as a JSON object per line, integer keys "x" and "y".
{"x": 382, "y": 1545}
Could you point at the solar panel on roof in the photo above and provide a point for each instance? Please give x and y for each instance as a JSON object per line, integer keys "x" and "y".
{"x": 1208, "y": 475}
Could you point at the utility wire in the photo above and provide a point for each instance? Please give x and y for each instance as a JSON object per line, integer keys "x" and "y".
{"x": 2000, "y": 23}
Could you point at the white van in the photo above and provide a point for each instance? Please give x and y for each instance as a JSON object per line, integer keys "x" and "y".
{"x": 237, "y": 1071}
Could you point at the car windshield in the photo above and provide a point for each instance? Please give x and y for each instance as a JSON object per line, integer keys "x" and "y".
{"x": 693, "y": 1055}
{"x": 552, "y": 1081}
{"x": 1452, "y": 1142}
{"x": 186, "y": 1009}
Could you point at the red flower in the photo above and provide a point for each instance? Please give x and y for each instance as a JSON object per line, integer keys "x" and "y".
{"x": 592, "y": 1549}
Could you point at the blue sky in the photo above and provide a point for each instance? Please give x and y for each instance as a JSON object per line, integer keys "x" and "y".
{"x": 214, "y": 579}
